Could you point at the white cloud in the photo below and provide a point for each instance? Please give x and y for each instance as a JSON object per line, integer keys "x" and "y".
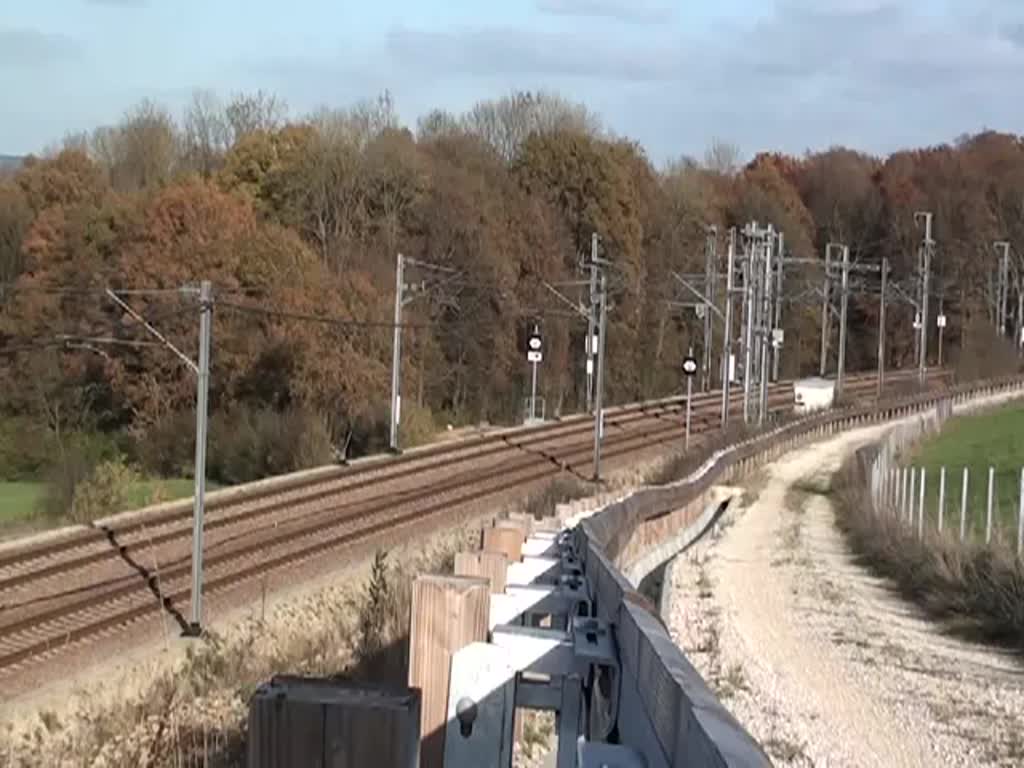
{"x": 30, "y": 49}
{"x": 120, "y": 3}
{"x": 518, "y": 52}
{"x": 631, "y": 12}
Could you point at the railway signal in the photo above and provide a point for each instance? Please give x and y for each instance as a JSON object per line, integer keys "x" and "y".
{"x": 534, "y": 355}
{"x": 690, "y": 370}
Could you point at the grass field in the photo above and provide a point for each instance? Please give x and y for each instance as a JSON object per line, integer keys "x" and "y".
{"x": 991, "y": 439}
{"x": 18, "y": 501}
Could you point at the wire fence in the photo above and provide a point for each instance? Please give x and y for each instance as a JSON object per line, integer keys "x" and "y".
{"x": 963, "y": 502}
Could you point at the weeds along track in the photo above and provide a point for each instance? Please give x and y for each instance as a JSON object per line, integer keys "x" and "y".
{"x": 87, "y": 585}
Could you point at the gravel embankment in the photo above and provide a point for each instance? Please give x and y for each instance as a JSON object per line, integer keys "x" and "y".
{"x": 817, "y": 657}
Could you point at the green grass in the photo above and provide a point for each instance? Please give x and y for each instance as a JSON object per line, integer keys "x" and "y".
{"x": 19, "y": 500}
{"x": 995, "y": 439}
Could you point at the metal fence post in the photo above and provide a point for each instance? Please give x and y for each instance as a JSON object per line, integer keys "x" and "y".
{"x": 988, "y": 504}
{"x": 963, "y": 503}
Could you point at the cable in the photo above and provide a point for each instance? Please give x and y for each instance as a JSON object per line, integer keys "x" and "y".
{"x": 18, "y": 287}
{"x": 326, "y": 320}
{"x": 66, "y": 338}
{"x": 5, "y": 351}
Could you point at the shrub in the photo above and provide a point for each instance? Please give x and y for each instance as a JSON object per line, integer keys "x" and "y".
{"x": 167, "y": 449}
{"x": 247, "y": 444}
{"x": 76, "y": 458}
{"x": 24, "y": 449}
{"x": 984, "y": 353}
{"x": 374, "y": 612}
{"x": 418, "y": 425}
{"x": 104, "y": 492}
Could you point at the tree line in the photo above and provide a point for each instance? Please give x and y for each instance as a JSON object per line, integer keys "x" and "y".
{"x": 297, "y": 222}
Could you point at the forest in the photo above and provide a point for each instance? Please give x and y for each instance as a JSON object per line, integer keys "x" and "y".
{"x": 297, "y": 222}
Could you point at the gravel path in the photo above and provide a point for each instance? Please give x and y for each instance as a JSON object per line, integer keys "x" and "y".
{"x": 817, "y": 657}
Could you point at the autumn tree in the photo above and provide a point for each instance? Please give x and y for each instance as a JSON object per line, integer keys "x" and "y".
{"x": 207, "y": 132}
{"x": 248, "y": 113}
{"x": 507, "y": 123}
{"x": 15, "y": 219}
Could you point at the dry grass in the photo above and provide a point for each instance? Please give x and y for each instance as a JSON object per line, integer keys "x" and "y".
{"x": 975, "y": 590}
{"x": 538, "y": 730}
{"x": 681, "y": 465}
{"x": 541, "y": 504}
{"x": 194, "y": 714}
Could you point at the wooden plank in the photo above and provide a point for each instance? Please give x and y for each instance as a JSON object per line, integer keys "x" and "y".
{"x": 528, "y": 521}
{"x": 507, "y": 540}
{"x": 515, "y": 522}
{"x": 309, "y": 721}
{"x": 448, "y": 613}
{"x": 492, "y": 566}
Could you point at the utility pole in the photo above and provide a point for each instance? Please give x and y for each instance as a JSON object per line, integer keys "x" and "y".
{"x": 591, "y": 322}
{"x": 844, "y": 301}
{"x": 202, "y": 372}
{"x": 599, "y": 393}
{"x": 776, "y": 360}
{"x": 941, "y": 322}
{"x": 710, "y": 279}
{"x": 1018, "y": 340}
{"x": 825, "y": 314}
{"x": 199, "y": 498}
{"x": 766, "y": 316}
{"x": 727, "y": 342}
{"x": 926, "y": 253}
{"x": 748, "y": 333}
{"x": 396, "y": 354}
{"x": 881, "y": 328}
{"x": 1003, "y": 287}
{"x": 401, "y": 299}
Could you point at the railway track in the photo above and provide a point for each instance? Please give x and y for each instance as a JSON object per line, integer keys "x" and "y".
{"x": 57, "y": 595}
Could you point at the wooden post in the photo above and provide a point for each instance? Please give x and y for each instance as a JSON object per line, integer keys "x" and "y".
{"x": 963, "y": 503}
{"x": 505, "y": 539}
{"x": 988, "y": 505}
{"x": 1020, "y": 517}
{"x": 307, "y": 721}
{"x": 492, "y": 566}
{"x": 448, "y": 613}
{"x": 942, "y": 496}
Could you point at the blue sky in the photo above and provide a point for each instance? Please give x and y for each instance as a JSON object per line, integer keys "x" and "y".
{"x": 674, "y": 74}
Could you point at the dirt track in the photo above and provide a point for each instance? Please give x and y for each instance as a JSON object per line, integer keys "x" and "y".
{"x": 818, "y": 658}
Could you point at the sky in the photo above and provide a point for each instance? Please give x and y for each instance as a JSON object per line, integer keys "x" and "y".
{"x": 787, "y": 75}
